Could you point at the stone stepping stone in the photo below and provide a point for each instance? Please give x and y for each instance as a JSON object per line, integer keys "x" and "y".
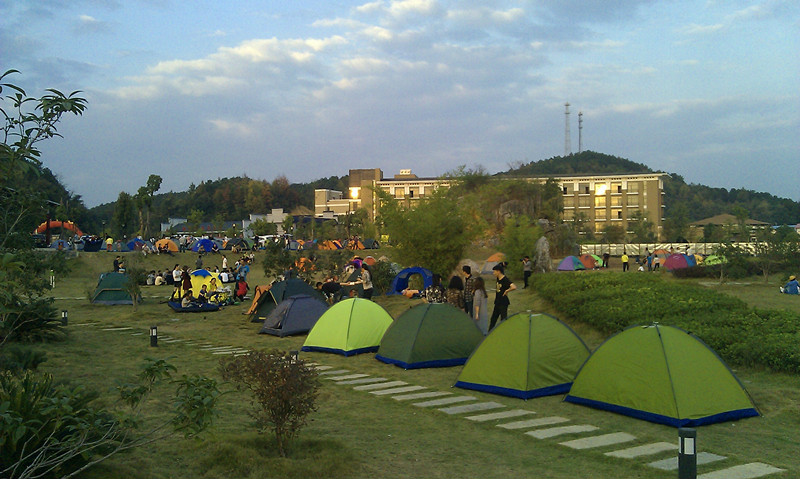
{"x": 431, "y": 394}
{"x": 136, "y": 334}
{"x": 370, "y": 387}
{"x": 599, "y": 441}
{"x": 445, "y": 401}
{"x": 499, "y": 415}
{"x": 671, "y": 464}
{"x": 334, "y": 373}
{"x": 84, "y": 324}
{"x": 745, "y": 471}
{"x": 647, "y": 449}
{"x": 175, "y": 340}
{"x": 323, "y": 368}
{"x": 543, "y": 421}
{"x": 349, "y": 376}
{"x": 481, "y": 406}
{"x": 404, "y": 389}
{"x": 558, "y": 431}
{"x": 235, "y": 351}
{"x": 216, "y": 348}
{"x": 116, "y": 329}
{"x": 363, "y": 381}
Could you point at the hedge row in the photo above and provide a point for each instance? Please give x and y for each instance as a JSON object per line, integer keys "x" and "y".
{"x": 611, "y": 302}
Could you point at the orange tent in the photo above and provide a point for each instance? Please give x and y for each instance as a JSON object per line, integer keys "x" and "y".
{"x": 588, "y": 261}
{"x": 259, "y": 290}
{"x": 67, "y": 225}
{"x": 171, "y": 246}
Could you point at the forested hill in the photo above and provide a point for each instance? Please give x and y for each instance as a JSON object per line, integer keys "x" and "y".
{"x": 584, "y": 163}
{"x": 683, "y": 201}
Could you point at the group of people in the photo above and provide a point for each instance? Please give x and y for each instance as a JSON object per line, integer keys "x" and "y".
{"x": 333, "y": 290}
{"x": 469, "y": 293}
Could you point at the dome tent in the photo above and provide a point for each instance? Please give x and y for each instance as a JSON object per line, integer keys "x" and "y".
{"x": 528, "y": 355}
{"x": 349, "y": 327}
{"x": 661, "y": 374}
{"x": 428, "y": 336}
{"x": 294, "y": 315}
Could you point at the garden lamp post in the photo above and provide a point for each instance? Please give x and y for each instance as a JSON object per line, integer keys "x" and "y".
{"x": 687, "y": 453}
{"x": 64, "y": 317}
{"x": 153, "y": 336}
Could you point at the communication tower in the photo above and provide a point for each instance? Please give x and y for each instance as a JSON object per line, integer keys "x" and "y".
{"x": 567, "y": 144}
{"x": 580, "y": 131}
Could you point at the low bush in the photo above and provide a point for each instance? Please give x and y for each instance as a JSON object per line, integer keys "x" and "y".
{"x": 284, "y": 391}
{"x": 611, "y": 302}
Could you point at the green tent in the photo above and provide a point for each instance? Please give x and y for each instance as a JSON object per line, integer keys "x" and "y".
{"x": 661, "y": 374}
{"x": 714, "y": 259}
{"x": 111, "y": 289}
{"x": 430, "y": 336}
{"x": 528, "y": 355}
{"x": 349, "y": 327}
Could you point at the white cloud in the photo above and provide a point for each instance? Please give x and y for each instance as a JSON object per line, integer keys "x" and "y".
{"x": 405, "y": 7}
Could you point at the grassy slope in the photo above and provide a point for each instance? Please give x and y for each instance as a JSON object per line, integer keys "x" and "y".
{"x": 355, "y": 434}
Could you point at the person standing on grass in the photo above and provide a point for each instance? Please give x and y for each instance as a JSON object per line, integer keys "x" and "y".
{"x": 469, "y": 289}
{"x": 527, "y": 269}
{"x": 501, "y": 301}
{"x": 624, "y": 259}
{"x": 480, "y": 305}
{"x": 455, "y": 292}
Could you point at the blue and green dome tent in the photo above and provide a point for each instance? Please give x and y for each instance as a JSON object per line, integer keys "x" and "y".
{"x": 400, "y": 282}
{"x": 526, "y": 356}
{"x": 430, "y": 336}
{"x": 661, "y": 374}
{"x": 571, "y": 263}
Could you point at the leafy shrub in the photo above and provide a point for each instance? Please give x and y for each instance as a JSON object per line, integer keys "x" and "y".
{"x": 382, "y": 276}
{"x": 284, "y": 391}
{"x": 16, "y": 358}
{"x": 33, "y": 321}
{"x": 611, "y": 302}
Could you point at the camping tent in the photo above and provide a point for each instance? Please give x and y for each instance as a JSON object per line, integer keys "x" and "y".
{"x": 571, "y": 263}
{"x": 429, "y": 336}
{"x": 491, "y": 262}
{"x": 294, "y": 315}
{"x": 111, "y": 289}
{"x": 352, "y": 326}
{"x": 661, "y": 374}
{"x": 370, "y": 243}
{"x": 528, "y": 355}
{"x": 264, "y": 303}
{"x": 202, "y": 277}
{"x": 714, "y": 259}
{"x": 400, "y": 282}
{"x": 240, "y": 243}
{"x": 679, "y": 261}
{"x": 168, "y": 243}
{"x": 588, "y": 261}
{"x": 204, "y": 243}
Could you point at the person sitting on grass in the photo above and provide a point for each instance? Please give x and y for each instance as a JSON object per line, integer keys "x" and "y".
{"x": 241, "y": 289}
{"x": 792, "y": 287}
{"x": 202, "y": 296}
{"x": 188, "y": 300}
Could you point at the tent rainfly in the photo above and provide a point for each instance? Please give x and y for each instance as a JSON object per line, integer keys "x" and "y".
{"x": 265, "y": 299}
{"x": 429, "y": 336}
{"x": 349, "y": 327}
{"x": 526, "y": 356}
{"x": 661, "y": 374}
{"x": 294, "y": 315}
{"x": 111, "y": 289}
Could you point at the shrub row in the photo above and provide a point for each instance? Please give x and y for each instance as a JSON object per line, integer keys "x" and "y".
{"x": 741, "y": 335}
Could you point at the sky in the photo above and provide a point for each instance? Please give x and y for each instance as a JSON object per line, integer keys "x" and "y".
{"x": 199, "y": 90}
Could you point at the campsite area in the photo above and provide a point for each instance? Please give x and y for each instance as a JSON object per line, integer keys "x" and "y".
{"x": 355, "y": 433}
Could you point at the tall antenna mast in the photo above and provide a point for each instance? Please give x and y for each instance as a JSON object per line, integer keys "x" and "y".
{"x": 567, "y": 145}
{"x": 580, "y": 131}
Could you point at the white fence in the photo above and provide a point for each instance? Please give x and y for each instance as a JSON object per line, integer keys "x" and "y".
{"x": 637, "y": 249}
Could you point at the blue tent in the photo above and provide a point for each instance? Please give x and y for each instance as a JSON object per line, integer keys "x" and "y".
{"x": 400, "y": 282}
{"x": 205, "y": 243}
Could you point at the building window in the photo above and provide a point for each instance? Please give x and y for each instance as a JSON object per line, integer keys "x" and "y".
{"x": 634, "y": 186}
{"x": 569, "y": 202}
{"x": 569, "y": 215}
{"x": 411, "y": 194}
{"x": 600, "y": 201}
{"x": 619, "y": 214}
{"x": 584, "y": 202}
{"x": 600, "y": 214}
{"x": 632, "y": 212}
{"x": 616, "y": 188}
{"x": 565, "y": 190}
{"x": 616, "y": 201}
{"x": 632, "y": 200}
{"x": 583, "y": 189}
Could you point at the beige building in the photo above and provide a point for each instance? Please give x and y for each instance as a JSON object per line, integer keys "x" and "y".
{"x": 601, "y": 199}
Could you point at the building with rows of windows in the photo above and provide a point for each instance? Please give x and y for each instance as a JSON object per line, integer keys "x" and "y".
{"x": 599, "y": 200}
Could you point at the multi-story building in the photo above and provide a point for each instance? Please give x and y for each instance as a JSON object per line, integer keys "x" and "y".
{"x": 600, "y": 200}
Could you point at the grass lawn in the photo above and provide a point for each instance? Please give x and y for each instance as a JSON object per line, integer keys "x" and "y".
{"x": 357, "y": 434}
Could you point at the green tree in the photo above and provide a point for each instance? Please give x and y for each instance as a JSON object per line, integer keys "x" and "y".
{"x": 433, "y": 234}
{"x": 262, "y": 227}
{"x": 641, "y": 227}
{"x": 775, "y": 249}
{"x": 123, "y": 222}
{"x": 519, "y": 240}
{"x": 27, "y": 121}
{"x": 613, "y": 234}
{"x": 195, "y": 219}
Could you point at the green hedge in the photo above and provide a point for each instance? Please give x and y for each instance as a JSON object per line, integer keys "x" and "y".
{"x": 741, "y": 335}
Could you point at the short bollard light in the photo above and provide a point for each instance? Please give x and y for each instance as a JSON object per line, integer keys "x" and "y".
{"x": 154, "y": 336}
{"x": 64, "y": 317}
{"x": 687, "y": 453}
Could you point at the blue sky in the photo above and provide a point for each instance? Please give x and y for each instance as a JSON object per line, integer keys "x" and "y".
{"x": 202, "y": 90}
